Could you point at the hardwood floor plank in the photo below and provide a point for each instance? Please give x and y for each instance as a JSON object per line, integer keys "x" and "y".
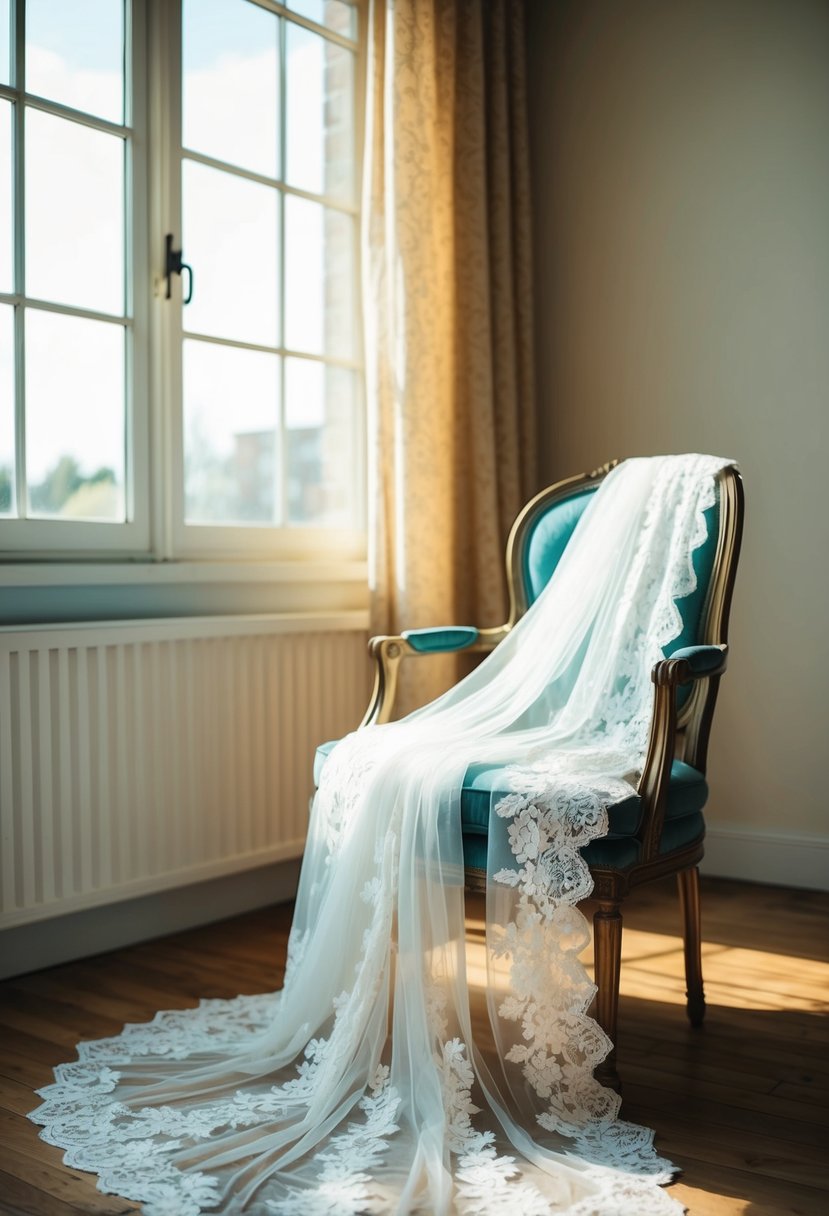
{"x": 644, "y": 1104}
{"x": 763, "y": 1155}
{"x": 782, "y": 1053}
{"x": 813, "y": 1095}
{"x": 19, "y": 1198}
{"x": 42, "y": 1189}
{"x": 15, "y": 1067}
{"x": 742, "y": 1105}
{"x": 20, "y": 1043}
{"x": 711, "y": 1190}
{"x": 16, "y": 1097}
{"x": 716, "y": 1095}
{"x": 61, "y": 1028}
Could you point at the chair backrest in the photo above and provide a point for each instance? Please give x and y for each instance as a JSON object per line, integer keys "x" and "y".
{"x": 542, "y": 531}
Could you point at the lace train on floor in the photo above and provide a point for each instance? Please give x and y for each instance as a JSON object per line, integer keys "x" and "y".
{"x": 373, "y": 1082}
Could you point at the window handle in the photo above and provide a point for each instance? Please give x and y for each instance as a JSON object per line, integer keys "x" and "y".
{"x": 173, "y": 264}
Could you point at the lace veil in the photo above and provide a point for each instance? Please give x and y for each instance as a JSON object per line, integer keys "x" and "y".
{"x": 371, "y": 1083}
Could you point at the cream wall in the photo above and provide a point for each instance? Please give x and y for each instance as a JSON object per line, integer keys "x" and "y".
{"x": 680, "y": 158}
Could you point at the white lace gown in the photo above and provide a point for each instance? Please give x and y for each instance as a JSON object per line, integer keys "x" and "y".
{"x": 360, "y": 1087}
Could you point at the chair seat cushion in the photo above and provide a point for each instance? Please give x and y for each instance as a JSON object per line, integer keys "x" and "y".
{"x": 619, "y": 853}
{"x": 687, "y": 795}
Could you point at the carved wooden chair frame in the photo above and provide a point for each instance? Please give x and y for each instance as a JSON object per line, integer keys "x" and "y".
{"x": 676, "y": 733}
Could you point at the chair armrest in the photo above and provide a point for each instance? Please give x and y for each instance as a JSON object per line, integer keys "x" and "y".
{"x": 693, "y": 663}
{"x": 687, "y": 664}
{"x": 390, "y": 651}
{"x": 441, "y": 640}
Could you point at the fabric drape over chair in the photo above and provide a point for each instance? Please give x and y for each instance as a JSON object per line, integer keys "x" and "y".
{"x": 448, "y": 310}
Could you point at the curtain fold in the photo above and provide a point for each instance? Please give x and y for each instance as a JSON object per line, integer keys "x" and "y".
{"x": 448, "y": 313}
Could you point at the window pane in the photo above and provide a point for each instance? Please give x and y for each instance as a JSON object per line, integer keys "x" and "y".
{"x": 75, "y": 54}
{"x": 319, "y": 279}
{"x": 230, "y": 239}
{"x": 231, "y": 427}
{"x": 320, "y": 118}
{"x": 74, "y": 214}
{"x": 75, "y": 417}
{"x": 230, "y": 83}
{"x": 321, "y": 456}
{"x": 338, "y": 15}
{"x": 5, "y": 41}
{"x": 6, "y": 410}
{"x": 6, "y": 224}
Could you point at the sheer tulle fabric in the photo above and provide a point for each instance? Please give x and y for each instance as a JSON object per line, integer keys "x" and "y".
{"x": 360, "y": 1087}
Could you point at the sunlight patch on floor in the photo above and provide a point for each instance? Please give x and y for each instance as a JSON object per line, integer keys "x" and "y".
{"x": 735, "y": 977}
{"x": 707, "y": 1203}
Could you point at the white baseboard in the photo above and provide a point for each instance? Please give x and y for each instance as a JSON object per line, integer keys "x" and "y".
{"x": 46, "y": 943}
{"x": 777, "y": 858}
{"x": 731, "y": 851}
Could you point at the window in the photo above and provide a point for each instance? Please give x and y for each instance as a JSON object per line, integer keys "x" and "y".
{"x": 137, "y": 417}
{"x": 70, "y": 184}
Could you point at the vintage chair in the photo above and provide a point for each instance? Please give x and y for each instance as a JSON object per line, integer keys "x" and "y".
{"x": 660, "y": 830}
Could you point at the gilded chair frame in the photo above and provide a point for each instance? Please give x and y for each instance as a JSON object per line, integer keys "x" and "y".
{"x": 677, "y": 732}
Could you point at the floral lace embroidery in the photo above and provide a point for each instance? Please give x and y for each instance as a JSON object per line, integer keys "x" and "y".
{"x": 342, "y": 783}
{"x": 551, "y": 813}
{"x": 486, "y": 1183}
{"x": 344, "y": 1186}
{"x": 560, "y": 1046}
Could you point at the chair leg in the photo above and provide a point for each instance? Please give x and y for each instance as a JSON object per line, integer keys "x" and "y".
{"x": 689, "y": 906}
{"x": 607, "y": 948}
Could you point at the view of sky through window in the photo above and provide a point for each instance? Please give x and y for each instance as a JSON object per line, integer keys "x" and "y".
{"x": 231, "y": 113}
{"x": 75, "y": 54}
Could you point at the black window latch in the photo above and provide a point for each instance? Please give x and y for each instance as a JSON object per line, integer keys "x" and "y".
{"x": 173, "y": 264}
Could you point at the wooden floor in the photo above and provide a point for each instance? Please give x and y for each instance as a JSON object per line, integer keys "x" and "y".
{"x": 742, "y": 1106}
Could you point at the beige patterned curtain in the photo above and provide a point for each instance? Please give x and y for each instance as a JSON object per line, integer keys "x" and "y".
{"x": 448, "y": 312}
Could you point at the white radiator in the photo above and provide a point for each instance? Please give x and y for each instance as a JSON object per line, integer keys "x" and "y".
{"x": 137, "y": 756}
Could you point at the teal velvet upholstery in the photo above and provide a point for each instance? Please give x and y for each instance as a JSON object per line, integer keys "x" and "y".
{"x": 686, "y": 796}
{"x": 439, "y": 641}
{"x": 543, "y": 545}
{"x": 683, "y": 814}
{"x": 547, "y": 539}
{"x": 620, "y": 853}
{"x": 702, "y": 660}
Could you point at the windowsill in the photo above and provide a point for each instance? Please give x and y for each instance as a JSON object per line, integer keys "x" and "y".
{"x": 42, "y": 593}
{"x": 118, "y": 573}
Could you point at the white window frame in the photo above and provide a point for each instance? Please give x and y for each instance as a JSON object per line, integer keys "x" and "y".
{"x": 59, "y": 538}
{"x": 257, "y": 542}
{"x": 155, "y": 529}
